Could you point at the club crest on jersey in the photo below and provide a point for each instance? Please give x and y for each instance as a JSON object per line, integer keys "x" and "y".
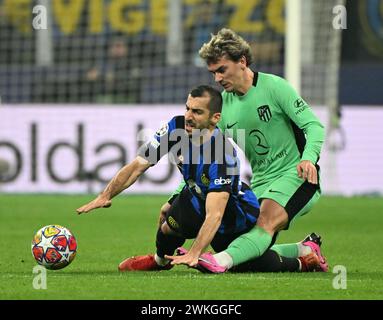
{"x": 264, "y": 113}
{"x": 162, "y": 131}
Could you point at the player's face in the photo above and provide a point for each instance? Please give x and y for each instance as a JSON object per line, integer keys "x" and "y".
{"x": 227, "y": 73}
{"x": 197, "y": 114}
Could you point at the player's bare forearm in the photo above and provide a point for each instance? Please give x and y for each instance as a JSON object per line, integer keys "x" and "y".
{"x": 206, "y": 234}
{"x": 125, "y": 177}
{"x": 122, "y": 180}
{"x": 215, "y": 208}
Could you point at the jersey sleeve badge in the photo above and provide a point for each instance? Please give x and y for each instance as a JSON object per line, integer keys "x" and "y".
{"x": 163, "y": 130}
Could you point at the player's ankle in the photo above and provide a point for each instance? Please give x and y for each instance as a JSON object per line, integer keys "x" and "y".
{"x": 300, "y": 265}
{"x": 161, "y": 261}
{"x": 303, "y": 250}
{"x": 224, "y": 259}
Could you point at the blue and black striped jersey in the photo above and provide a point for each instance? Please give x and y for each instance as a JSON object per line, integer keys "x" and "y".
{"x": 210, "y": 167}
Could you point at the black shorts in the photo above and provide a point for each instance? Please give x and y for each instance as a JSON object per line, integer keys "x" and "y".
{"x": 186, "y": 221}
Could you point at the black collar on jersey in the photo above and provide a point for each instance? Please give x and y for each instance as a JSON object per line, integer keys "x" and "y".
{"x": 255, "y": 79}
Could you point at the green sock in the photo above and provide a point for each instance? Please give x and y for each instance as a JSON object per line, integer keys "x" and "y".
{"x": 289, "y": 250}
{"x": 249, "y": 245}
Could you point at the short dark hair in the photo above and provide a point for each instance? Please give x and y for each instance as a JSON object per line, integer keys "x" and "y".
{"x": 215, "y": 104}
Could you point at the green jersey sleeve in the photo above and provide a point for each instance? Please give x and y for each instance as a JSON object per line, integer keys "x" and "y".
{"x": 221, "y": 125}
{"x": 178, "y": 190}
{"x": 302, "y": 115}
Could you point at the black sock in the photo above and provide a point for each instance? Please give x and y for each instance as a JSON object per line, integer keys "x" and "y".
{"x": 167, "y": 244}
{"x": 270, "y": 261}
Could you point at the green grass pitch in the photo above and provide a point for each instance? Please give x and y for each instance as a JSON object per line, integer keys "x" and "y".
{"x": 351, "y": 229}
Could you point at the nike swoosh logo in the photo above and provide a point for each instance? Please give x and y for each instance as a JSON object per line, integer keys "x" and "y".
{"x": 230, "y": 126}
{"x": 275, "y": 191}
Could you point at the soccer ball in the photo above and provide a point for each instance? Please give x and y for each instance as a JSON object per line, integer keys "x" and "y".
{"x": 54, "y": 247}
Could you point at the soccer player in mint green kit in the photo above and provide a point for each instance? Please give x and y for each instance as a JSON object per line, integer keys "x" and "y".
{"x": 282, "y": 140}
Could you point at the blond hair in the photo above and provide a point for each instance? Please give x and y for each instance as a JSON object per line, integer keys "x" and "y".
{"x": 226, "y": 43}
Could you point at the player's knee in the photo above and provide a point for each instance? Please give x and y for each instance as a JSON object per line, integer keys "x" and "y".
{"x": 272, "y": 224}
{"x": 165, "y": 208}
{"x": 265, "y": 223}
{"x": 167, "y": 230}
{"x": 272, "y": 221}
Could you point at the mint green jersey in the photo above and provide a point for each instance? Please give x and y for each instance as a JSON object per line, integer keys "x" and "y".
{"x": 273, "y": 125}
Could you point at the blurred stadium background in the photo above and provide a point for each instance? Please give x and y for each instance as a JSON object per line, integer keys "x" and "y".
{"x": 79, "y": 97}
{"x": 75, "y": 94}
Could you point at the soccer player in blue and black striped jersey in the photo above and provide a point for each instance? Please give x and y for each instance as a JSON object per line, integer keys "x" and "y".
{"x": 214, "y": 207}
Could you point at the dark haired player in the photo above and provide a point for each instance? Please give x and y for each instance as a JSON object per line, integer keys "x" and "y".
{"x": 214, "y": 207}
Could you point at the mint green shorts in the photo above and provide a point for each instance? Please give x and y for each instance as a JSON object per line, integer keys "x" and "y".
{"x": 291, "y": 192}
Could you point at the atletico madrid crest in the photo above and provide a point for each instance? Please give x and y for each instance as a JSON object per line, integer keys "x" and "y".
{"x": 264, "y": 113}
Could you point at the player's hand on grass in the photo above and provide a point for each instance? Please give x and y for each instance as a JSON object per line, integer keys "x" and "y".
{"x": 307, "y": 171}
{"x": 99, "y": 202}
{"x": 188, "y": 259}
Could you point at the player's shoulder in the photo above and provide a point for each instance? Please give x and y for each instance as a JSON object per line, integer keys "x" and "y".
{"x": 275, "y": 85}
{"x": 226, "y": 95}
{"x": 180, "y": 119}
{"x": 177, "y": 122}
{"x": 270, "y": 79}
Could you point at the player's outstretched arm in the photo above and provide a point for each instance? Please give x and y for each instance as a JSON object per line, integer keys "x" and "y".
{"x": 99, "y": 202}
{"x": 304, "y": 118}
{"x": 215, "y": 208}
{"x": 121, "y": 181}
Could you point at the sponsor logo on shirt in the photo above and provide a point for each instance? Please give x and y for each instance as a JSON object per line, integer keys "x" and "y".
{"x": 259, "y": 142}
{"x": 269, "y": 161}
{"x": 221, "y": 181}
{"x": 301, "y": 105}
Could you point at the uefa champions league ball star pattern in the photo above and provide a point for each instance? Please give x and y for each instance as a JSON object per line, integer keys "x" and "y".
{"x": 54, "y": 247}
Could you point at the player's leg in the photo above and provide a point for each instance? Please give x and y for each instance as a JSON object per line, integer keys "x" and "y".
{"x": 301, "y": 248}
{"x": 181, "y": 223}
{"x": 310, "y": 244}
{"x": 302, "y": 256}
{"x": 254, "y": 243}
{"x": 270, "y": 261}
{"x": 281, "y": 201}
